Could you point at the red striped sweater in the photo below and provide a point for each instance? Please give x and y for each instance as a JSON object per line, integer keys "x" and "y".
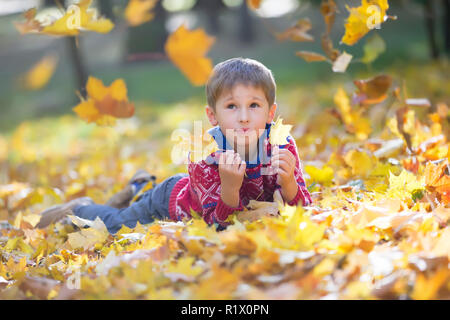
{"x": 200, "y": 191}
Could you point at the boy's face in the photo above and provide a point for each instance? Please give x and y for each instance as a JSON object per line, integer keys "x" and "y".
{"x": 242, "y": 114}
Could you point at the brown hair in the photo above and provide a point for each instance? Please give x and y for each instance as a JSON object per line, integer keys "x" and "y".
{"x": 229, "y": 73}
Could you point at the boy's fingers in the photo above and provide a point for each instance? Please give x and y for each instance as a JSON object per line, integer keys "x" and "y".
{"x": 242, "y": 166}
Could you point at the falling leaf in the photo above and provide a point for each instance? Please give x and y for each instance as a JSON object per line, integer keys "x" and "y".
{"x": 138, "y": 12}
{"x": 372, "y": 90}
{"x": 364, "y": 18}
{"x": 328, "y": 10}
{"x": 341, "y": 63}
{"x": 298, "y": 32}
{"x": 104, "y": 104}
{"x": 30, "y": 25}
{"x": 279, "y": 133}
{"x": 77, "y": 18}
{"x": 327, "y": 46}
{"x": 187, "y": 50}
{"x": 311, "y": 56}
{"x": 40, "y": 73}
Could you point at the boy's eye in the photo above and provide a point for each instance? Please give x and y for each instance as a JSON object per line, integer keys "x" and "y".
{"x": 254, "y": 105}
{"x": 231, "y": 106}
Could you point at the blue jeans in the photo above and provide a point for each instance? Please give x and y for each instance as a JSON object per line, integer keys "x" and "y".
{"x": 153, "y": 204}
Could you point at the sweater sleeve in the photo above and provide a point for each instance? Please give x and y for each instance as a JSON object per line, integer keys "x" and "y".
{"x": 205, "y": 181}
{"x": 302, "y": 192}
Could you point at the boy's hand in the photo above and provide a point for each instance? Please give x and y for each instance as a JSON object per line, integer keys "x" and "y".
{"x": 231, "y": 171}
{"x": 283, "y": 161}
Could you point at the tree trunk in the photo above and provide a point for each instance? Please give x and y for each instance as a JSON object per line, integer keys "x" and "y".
{"x": 212, "y": 9}
{"x": 446, "y": 25}
{"x": 79, "y": 70}
{"x": 429, "y": 23}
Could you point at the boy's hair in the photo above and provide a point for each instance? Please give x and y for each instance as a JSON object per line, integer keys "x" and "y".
{"x": 231, "y": 72}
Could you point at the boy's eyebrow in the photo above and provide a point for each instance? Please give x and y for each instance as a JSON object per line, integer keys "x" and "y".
{"x": 254, "y": 98}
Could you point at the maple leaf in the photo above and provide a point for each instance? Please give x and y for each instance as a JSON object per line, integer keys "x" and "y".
{"x": 187, "y": 50}
{"x": 77, "y": 18}
{"x": 138, "y": 12}
{"x": 279, "y": 133}
{"x": 104, "y": 104}
{"x": 40, "y": 74}
{"x": 364, "y": 18}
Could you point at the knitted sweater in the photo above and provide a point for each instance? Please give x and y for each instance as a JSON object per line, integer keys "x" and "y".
{"x": 200, "y": 191}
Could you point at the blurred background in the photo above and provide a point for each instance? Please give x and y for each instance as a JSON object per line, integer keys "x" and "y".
{"x": 417, "y": 46}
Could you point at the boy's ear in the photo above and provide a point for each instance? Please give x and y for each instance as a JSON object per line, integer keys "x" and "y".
{"x": 211, "y": 115}
{"x": 272, "y": 111}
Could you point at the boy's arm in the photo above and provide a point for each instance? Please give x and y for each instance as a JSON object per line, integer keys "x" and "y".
{"x": 205, "y": 181}
{"x": 294, "y": 189}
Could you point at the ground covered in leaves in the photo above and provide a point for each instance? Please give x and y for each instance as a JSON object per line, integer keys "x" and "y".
{"x": 378, "y": 227}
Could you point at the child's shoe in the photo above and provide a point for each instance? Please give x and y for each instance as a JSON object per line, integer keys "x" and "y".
{"x": 58, "y": 212}
{"x": 122, "y": 198}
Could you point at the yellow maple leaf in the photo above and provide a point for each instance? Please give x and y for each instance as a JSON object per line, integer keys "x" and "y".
{"x": 138, "y": 12}
{"x": 104, "y": 104}
{"x": 78, "y": 18}
{"x": 364, "y": 18}
{"x": 279, "y": 133}
{"x": 40, "y": 74}
{"x": 187, "y": 50}
{"x": 404, "y": 184}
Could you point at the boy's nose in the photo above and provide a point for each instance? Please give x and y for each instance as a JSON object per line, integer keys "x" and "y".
{"x": 243, "y": 115}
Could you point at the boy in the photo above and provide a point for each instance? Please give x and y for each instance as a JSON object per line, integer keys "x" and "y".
{"x": 241, "y": 107}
